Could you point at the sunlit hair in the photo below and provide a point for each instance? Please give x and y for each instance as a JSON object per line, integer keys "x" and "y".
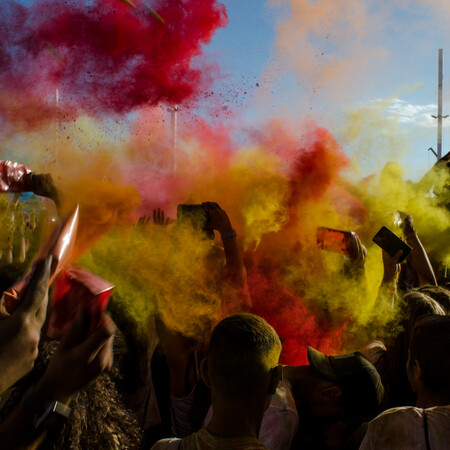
{"x": 243, "y": 349}
{"x": 438, "y": 293}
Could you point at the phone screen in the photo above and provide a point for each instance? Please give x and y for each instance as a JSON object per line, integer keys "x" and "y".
{"x": 196, "y": 214}
{"x": 391, "y": 243}
{"x": 332, "y": 240}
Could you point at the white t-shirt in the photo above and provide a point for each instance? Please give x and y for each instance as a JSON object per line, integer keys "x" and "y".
{"x": 280, "y": 423}
{"x": 203, "y": 440}
{"x": 404, "y": 429}
{"x": 280, "y": 420}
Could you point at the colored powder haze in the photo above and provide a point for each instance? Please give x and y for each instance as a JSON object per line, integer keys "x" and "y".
{"x": 85, "y": 88}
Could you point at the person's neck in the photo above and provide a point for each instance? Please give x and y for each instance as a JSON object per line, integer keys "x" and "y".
{"x": 324, "y": 434}
{"x": 233, "y": 420}
{"x": 428, "y": 399}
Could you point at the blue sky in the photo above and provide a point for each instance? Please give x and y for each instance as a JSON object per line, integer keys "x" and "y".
{"x": 340, "y": 62}
{"x": 389, "y": 57}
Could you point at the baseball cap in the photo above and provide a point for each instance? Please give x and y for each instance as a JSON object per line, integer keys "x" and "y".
{"x": 359, "y": 380}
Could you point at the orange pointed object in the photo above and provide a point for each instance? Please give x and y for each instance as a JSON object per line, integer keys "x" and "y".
{"x": 60, "y": 245}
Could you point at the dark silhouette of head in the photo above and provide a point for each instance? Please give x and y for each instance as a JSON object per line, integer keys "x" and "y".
{"x": 412, "y": 306}
{"x": 429, "y": 357}
{"x": 243, "y": 355}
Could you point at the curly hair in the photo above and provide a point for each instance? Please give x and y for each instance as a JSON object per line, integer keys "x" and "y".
{"x": 98, "y": 419}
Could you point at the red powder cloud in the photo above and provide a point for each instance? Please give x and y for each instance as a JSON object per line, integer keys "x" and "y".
{"x": 297, "y": 326}
{"x": 107, "y": 56}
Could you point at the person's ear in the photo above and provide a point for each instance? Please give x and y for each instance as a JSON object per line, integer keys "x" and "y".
{"x": 331, "y": 392}
{"x": 416, "y": 372}
{"x": 276, "y": 374}
{"x": 204, "y": 372}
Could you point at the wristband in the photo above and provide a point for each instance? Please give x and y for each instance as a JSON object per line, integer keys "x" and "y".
{"x": 228, "y": 234}
{"x": 45, "y": 414}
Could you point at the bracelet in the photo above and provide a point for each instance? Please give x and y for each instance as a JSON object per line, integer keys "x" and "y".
{"x": 228, "y": 234}
{"x": 44, "y": 413}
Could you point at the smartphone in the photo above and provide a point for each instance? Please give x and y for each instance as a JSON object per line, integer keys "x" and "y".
{"x": 333, "y": 240}
{"x": 391, "y": 243}
{"x": 197, "y": 216}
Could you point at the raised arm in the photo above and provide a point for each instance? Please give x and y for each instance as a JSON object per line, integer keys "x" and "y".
{"x": 387, "y": 293}
{"x": 20, "y": 333}
{"x": 42, "y": 184}
{"x": 419, "y": 258}
{"x": 218, "y": 220}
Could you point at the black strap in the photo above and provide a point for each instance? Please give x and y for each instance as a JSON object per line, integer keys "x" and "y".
{"x": 192, "y": 364}
{"x": 425, "y": 426}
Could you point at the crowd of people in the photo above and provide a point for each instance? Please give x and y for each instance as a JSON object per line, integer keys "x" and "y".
{"x": 102, "y": 386}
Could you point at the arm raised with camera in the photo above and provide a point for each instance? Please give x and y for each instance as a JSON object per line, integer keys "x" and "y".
{"x": 419, "y": 258}
{"x": 218, "y": 220}
{"x": 387, "y": 292}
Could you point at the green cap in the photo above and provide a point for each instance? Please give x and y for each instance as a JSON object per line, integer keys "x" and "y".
{"x": 359, "y": 380}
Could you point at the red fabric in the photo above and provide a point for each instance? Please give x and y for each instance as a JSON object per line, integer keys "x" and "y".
{"x": 14, "y": 177}
{"x": 77, "y": 290}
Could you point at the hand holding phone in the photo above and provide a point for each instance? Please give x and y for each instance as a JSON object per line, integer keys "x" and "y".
{"x": 197, "y": 215}
{"x": 391, "y": 243}
{"x": 334, "y": 240}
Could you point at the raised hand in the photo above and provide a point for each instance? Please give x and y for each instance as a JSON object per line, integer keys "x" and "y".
{"x": 20, "y": 333}
{"x": 357, "y": 251}
{"x": 391, "y": 266}
{"x": 217, "y": 218}
{"x": 158, "y": 217}
{"x": 419, "y": 259}
{"x": 79, "y": 359}
{"x": 406, "y": 223}
{"x": 144, "y": 221}
{"x": 42, "y": 184}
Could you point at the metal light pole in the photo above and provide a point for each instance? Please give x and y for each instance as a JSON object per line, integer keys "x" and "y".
{"x": 173, "y": 116}
{"x": 439, "y": 116}
{"x": 439, "y": 137}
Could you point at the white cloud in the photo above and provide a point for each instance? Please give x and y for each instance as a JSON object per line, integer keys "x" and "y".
{"x": 407, "y": 114}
